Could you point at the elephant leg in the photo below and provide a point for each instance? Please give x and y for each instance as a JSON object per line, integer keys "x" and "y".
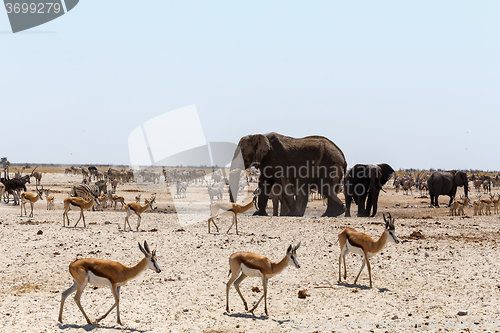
{"x": 451, "y": 200}
{"x": 276, "y": 203}
{"x": 334, "y": 207}
{"x": 288, "y": 201}
{"x": 301, "y": 204}
{"x": 284, "y": 209}
{"x": 265, "y": 186}
{"x": 348, "y": 200}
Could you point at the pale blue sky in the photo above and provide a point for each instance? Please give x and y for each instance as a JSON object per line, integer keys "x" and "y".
{"x": 410, "y": 83}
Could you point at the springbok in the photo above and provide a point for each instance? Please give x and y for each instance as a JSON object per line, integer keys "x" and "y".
{"x": 137, "y": 209}
{"x": 357, "y": 242}
{"x": 477, "y": 205}
{"x": 254, "y": 265}
{"x": 32, "y": 198}
{"x": 486, "y": 204}
{"x": 117, "y": 198}
{"x": 100, "y": 272}
{"x": 457, "y": 207}
{"x": 50, "y": 200}
{"x": 222, "y": 208}
{"x": 82, "y": 204}
{"x": 496, "y": 203}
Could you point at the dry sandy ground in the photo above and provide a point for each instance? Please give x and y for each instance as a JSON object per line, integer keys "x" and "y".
{"x": 452, "y": 265}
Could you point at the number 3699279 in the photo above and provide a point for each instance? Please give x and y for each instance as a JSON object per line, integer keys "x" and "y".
{"x": 38, "y": 8}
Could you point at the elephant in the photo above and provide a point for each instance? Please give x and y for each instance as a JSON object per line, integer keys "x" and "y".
{"x": 446, "y": 183}
{"x": 299, "y": 163}
{"x": 363, "y": 183}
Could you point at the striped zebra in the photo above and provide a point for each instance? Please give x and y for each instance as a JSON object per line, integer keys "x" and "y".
{"x": 89, "y": 191}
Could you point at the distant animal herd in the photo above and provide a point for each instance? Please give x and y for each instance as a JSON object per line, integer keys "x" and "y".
{"x": 274, "y": 163}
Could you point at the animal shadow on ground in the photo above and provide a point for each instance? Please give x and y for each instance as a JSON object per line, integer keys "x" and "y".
{"x": 245, "y": 315}
{"x": 349, "y": 285}
{"x": 89, "y": 328}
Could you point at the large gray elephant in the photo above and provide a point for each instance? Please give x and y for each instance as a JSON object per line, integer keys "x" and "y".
{"x": 446, "y": 183}
{"x": 363, "y": 184}
{"x": 310, "y": 162}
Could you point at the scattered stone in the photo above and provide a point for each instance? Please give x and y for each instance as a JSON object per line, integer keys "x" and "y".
{"x": 462, "y": 313}
{"x": 256, "y": 289}
{"x": 185, "y": 310}
{"x": 416, "y": 235}
{"x": 40, "y": 232}
{"x": 303, "y": 293}
{"x": 107, "y": 222}
{"x": 179, "y": 230}
{"x": 427, "y": 254}
{"x": 354, "y": 290}
{"x": 137, "y": 321}
{"x": 431, "y": 307}
{"x": 57, "y": 253}
{"x": 395, "y": 317}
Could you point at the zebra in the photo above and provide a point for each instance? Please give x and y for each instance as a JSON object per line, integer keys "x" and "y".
{"x": 89, "y": 191}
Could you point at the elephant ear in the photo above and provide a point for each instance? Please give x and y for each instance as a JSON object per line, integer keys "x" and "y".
{"x": 387, "y": 172}
{"x": 460, "y": 178}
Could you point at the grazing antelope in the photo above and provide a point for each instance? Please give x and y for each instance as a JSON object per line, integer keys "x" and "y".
{"x": 357, "y": 242}
{"x": 137, "y": 209}
{"x": 222, "y": 208}
{"x": 100, "y": 272}
{"x": 117, "y": 198}
{"x": 486, "y": 204}
{"x": 254, "y": 265}
{"x": 138, "y": 198}
{"x": 32, "y": 198}
{"x": 50, "y": 200}
{"x": 496, "y": 203}
{"x": 82, "y": 204}
{"x": 457, "y": 207}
